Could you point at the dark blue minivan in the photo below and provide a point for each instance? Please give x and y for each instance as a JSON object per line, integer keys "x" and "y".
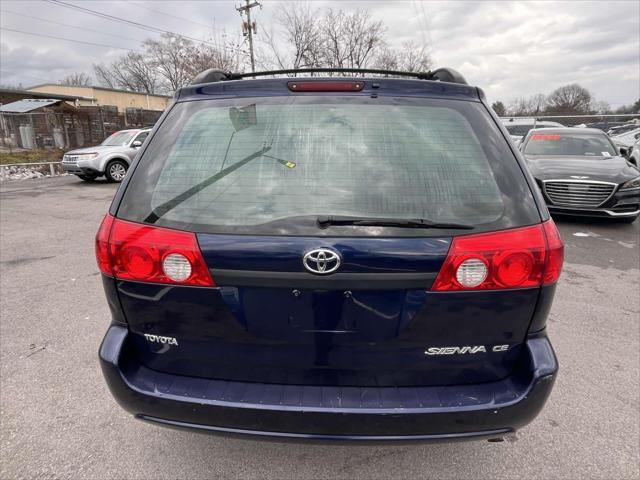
{"x": 357, "y": 257}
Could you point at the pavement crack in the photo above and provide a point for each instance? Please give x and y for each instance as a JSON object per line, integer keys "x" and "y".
{"x": 35, "y": 349}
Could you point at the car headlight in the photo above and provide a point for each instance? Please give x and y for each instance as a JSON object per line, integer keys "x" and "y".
{"x": 631, "y": 184}
{"x": 86, "y": 156}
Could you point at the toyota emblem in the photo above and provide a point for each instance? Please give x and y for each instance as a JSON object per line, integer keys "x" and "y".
{"x": 321, "y": 260}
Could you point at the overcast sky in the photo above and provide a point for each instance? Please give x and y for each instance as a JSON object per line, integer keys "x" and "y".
{"x": 508, "y": 48}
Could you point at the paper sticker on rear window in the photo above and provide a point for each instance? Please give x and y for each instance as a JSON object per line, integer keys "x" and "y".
{"x": 542, "y": 136}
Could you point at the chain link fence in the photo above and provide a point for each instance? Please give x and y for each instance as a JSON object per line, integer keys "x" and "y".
{"x": 603, "y": 122}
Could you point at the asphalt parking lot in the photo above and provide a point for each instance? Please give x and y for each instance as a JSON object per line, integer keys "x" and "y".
{"x": 58, "y": 419}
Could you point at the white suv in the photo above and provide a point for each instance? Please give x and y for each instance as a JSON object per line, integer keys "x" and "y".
{"x": 111, "y": 158}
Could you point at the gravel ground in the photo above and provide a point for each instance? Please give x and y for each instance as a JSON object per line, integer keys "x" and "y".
{"x": 58, "y": 419}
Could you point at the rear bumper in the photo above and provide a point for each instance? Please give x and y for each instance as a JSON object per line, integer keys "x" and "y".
{"x": 335, "y": 413}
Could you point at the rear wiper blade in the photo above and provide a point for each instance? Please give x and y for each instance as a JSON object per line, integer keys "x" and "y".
{"x": 326, "y": 221}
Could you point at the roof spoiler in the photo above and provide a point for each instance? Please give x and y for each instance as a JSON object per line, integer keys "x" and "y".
{"x": 441, "y": 74}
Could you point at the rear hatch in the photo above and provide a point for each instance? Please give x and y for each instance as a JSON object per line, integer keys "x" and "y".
{"x": 324, "y": 221}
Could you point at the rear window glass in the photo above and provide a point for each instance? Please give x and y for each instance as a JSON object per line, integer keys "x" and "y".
{"x": 581, "y": 145}
{"x": 520, "y": 130}
{"x": 273, "y": 165}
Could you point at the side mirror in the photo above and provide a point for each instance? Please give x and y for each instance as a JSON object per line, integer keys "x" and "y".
{"x": 623, "y": 151}
{"x": 136, "y": 144}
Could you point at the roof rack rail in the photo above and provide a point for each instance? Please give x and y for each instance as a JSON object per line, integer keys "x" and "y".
{"x": 441, "y": 74}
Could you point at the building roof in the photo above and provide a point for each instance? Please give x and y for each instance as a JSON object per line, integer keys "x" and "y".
{"x": 28, "y": 105}
{"x": 100, "y": 88}
{"x": 10, "y": 92}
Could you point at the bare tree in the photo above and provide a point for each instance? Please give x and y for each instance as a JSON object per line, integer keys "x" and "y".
{"x": 523, "y": 106}
{"x": 170, "y": 56}
{"x": 167, "y": 64}
{"x": 301, "y": 35}
{"x": 387, "y": 59}
{"x": 350, "y": 40}
{"x": 310, "y": 38}
{"x": 411, "y": 57}
{"x": 569, "y": 99}
{"x": 601, "y": 107}
{"x": 78, "y": 79}
{"x": 104, "y": 75}
{"x": 224, "y": 56}
{"x": 131, "y": 72}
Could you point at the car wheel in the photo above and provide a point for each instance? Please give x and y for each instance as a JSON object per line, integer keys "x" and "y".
{"x": 116, "y": 170}
{"x": 87, "y": 178}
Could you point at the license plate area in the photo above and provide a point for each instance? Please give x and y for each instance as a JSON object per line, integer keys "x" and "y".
{"x": 299, "y": 314}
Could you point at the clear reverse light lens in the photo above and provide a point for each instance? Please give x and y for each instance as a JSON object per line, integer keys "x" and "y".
{"x": 177, "y": 267}
{"x": 472, "y": 272}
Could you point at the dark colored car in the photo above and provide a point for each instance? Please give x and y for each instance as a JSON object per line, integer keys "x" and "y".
{"x": 581, "y": 172}
{"x": 330, "y": 258}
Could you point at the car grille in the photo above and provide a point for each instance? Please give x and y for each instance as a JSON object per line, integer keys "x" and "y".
{"x": 578, "y": 194}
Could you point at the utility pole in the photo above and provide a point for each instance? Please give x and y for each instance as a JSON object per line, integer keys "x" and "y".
{"x": 249, "y": 28}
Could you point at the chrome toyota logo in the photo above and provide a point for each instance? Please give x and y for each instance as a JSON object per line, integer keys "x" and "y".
{"x": 321, "y": 260}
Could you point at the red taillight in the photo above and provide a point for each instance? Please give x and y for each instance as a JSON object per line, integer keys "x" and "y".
{"x": 144, "y": 253}
{"x": 518, "y": 258}
{"x": 307, "y": 86}
{"x": 541, "y": 136}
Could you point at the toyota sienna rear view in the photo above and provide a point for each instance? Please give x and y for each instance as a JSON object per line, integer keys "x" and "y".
{"x": 342, "y": 257}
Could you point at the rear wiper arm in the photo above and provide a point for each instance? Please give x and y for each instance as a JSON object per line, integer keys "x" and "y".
{"x": 326, "y": 221}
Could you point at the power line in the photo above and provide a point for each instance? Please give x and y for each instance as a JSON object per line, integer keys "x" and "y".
{"x": 70, "y": 26}
{"x": 65, "y": 39}
{"x": 171, "y": 15}
{"x": 124, "y": 20}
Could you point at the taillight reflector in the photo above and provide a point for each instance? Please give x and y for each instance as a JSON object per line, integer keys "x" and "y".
{"x": 307, "y": 86}
{"x": 517, "y": 258}
{"x": 555, "y": 253}
{"x": 102, "y": 245}
{"x": 132, "y": 251}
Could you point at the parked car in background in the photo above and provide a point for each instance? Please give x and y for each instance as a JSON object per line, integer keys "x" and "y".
{"x": 626, "y": 140}
{"x": 620, "y": 129}
{"x": 634, "y": 153}
{"x": 339, "y": 258}
{"x": 602, "y": 125}
{"x": 111, "y": 158}
{"x": 581, "y": 172}
{"x": 519, "y": 127}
